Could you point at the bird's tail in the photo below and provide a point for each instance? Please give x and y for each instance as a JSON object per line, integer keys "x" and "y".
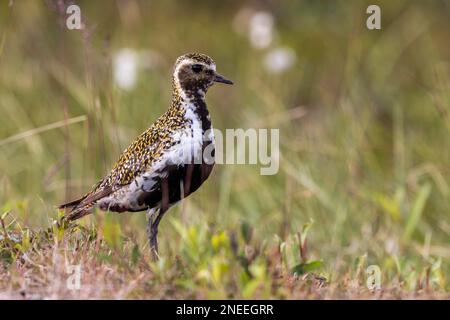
{"x": 78, "y": 209}
{"x": 85, "y": 205}
{"x": 77, "y": 213}
{"x": 71, "y": 204}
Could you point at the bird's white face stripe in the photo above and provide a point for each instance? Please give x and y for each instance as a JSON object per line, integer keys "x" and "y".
{"x": 191, "y": 61}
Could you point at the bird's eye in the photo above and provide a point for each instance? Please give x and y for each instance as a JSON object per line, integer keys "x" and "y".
{"x": 197, "y": 68}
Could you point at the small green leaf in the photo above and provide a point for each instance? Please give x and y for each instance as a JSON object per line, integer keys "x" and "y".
{"x": 305, "y": 230}
{"x": 246, "y": 231}
{"x": 112, "y": 232}
{"x": 135, "y": 254}
{"x": 303, "y": 268}
{"x": 417, "y": 210}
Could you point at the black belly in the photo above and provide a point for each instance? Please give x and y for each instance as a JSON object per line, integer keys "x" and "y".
{"x": 181, "y": 181}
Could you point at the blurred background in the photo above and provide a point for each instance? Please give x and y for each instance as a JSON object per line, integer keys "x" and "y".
{"x": 364, "y": 117}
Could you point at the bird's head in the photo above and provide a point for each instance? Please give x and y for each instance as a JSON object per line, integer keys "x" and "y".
{"x": 194, "y": 73}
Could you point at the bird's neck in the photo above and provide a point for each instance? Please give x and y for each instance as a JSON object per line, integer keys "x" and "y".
{"x": 191, "y": 103}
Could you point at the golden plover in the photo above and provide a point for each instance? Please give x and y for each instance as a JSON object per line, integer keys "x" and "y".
{"x": 166, "y": 162}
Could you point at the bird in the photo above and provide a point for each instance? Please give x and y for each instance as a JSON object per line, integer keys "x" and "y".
{"x": 168, "y": 161}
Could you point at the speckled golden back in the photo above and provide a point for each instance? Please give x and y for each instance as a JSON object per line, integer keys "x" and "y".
{"x": 148, "y": 147}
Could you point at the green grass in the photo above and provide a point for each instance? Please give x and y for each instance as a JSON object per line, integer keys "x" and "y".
{"x": 364, "y": 125}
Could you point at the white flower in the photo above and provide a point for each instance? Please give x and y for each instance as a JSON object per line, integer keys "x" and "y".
{"x": 279, "y": 60}
{"x": 261, "y": 29}
{"x": 391, "y": 246}
{"x": 125, "y": 68}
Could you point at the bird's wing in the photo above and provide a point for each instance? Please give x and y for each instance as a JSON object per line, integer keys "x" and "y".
{"x": 136, "y": 159}
{"x": 78, "y": 202}
{"x": 95, "y": 196}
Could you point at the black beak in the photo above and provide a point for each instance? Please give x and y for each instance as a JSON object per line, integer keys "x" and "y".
{"x": 222, "y": 79}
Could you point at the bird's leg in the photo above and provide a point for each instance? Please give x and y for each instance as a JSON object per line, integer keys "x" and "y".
{"x": 152, "y": 228}
{"x": 188, "y": 179}
{"x": 151, "y": 213}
